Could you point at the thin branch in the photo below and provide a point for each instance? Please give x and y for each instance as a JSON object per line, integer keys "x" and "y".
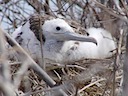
{"x": 125, "y": 71}
{"x": 111, "y": 12}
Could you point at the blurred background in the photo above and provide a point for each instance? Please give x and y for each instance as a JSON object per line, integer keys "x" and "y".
{"x": 89, "y": 13}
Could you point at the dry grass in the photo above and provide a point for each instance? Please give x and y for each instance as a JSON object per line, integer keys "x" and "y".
{"x": 21, "y": 76}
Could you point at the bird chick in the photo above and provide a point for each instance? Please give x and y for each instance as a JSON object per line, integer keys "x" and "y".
{"x": 62, "y": 45}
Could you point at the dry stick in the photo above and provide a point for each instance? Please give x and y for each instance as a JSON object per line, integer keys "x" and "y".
{"x": 117, "y": 60}
{"x": 33, "y": 65}
{"x": 35, "y": 4}
{"x": 41, "y": 40}
{"x": 23, "y": 69}
{"x": 110, "y": 11}
{"x": 5, "y": 80}
{"x": 3, "y": 60}
{"x": 102, "y": 79}
{"x": 125, "y": 72}
{"x": 7, "y": 88}
{"x": 125, "y": 7}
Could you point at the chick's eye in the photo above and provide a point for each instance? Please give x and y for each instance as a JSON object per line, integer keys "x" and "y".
{"x": 87, "y": 34}
{"x": 58, "y": 28}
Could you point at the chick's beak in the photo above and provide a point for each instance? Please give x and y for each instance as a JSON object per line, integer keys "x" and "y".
{"x": 66, "y": 36}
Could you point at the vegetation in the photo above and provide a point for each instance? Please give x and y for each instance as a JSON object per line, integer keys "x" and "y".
{"x": 84, "y": 78}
